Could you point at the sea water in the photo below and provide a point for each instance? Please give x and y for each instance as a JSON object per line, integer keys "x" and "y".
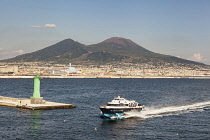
{"x": 175, "y": 109}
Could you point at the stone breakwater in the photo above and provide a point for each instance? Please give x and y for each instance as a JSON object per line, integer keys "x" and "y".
{"x": 26, "y": 104}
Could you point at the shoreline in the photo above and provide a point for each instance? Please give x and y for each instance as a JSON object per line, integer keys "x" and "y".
{"x": 134, "y": 77}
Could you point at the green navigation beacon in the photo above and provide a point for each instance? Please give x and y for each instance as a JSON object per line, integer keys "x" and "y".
{"x": 36, "y": 99}
{"x": 36, "y": 93}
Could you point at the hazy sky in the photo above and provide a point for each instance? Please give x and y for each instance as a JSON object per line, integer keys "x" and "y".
{"x": 174, "y": 27}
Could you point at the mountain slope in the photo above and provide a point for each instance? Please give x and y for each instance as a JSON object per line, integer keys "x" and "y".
{"x": 137, "y": 54}
{"x": 103, "y": 57}
{"x": 122, "y": 46}
{"x": 61, "y": 51}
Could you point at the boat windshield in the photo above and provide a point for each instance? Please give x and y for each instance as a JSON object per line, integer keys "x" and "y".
{"x": 133, "y": 104}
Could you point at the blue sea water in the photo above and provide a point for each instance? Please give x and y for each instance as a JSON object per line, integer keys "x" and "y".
{"x": 175, "y": 109}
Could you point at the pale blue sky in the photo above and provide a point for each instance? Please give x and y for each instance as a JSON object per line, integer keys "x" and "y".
{"x": 174, "y": 27}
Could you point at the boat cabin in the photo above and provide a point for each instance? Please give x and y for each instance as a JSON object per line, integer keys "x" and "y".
{"x": 118, "y": 101}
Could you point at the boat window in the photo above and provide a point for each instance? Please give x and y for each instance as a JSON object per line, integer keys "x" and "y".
{"x": 122, "y": 104}
{"x": 112, "y": 104}
{"x": 132, "y": 104}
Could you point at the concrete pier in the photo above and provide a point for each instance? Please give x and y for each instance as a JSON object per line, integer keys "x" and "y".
{"x": 36, "y": 102}
{"x": 26, "y": 104}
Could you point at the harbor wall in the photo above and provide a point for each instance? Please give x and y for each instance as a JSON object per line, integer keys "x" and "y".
{"x": 140, "y": 77}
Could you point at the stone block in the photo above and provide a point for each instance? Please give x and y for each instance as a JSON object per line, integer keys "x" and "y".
{"x": 37, "y": 100}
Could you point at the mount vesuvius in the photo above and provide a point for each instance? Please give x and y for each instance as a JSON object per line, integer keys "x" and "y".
{"x": 112, "y": 50}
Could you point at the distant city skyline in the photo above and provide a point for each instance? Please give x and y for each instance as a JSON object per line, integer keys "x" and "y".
{"x": 174, "y": 27}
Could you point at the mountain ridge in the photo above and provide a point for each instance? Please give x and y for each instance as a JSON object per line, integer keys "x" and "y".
{"x": 111, "y": 50}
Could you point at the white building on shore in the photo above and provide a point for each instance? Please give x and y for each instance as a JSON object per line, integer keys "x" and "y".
{"x": 8, "y": 69}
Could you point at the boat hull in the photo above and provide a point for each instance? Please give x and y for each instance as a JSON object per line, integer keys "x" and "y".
{"x": 118, "y": 110}
{"x": 104, "y": 115}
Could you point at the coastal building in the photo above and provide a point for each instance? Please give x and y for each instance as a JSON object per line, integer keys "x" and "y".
{"x": 8, "y": 69}
{"x": 56, "y": 72}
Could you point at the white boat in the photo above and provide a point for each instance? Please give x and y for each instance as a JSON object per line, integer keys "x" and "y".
{"x": 118, "y": 107}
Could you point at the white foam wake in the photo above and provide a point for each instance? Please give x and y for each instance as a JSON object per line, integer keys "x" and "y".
{"x": 151, "y": 112}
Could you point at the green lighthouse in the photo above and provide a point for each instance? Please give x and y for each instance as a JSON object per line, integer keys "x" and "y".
{"x": 36, "y": 99}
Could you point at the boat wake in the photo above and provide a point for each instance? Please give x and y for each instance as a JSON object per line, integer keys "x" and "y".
{"x": 151, "y": 112}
